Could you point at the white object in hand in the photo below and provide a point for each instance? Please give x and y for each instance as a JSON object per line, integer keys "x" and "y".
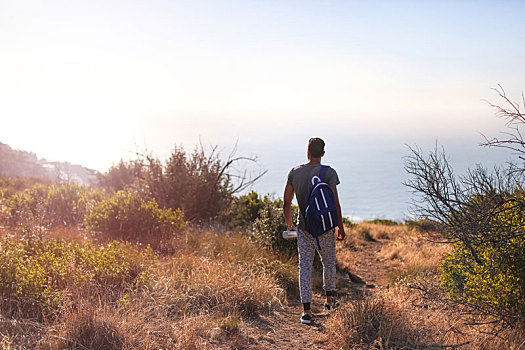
{"x": 289, "y": 234}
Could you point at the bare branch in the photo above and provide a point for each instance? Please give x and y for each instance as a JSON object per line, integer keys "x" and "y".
{"x": 477, "y": 210}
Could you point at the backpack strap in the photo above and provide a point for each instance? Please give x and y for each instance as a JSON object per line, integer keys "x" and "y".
{"x": 322, "y": 173}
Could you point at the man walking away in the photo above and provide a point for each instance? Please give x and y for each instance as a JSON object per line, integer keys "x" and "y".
{"x": 300, "y": 182}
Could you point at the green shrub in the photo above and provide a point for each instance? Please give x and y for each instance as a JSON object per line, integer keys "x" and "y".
{"x": 36, "y": 276}
{"x": 364, "y": 233}
{"x": 12, "y": 185}
{"x": 491, "y": 275}
{"x": 127, "y": 216}
{"x": 51, "y": 205}
{"x": 26, "y": 205}
{"x": 268, "y": 228}
{"x": 246, "y": 209}
{"x": 386, "y": 222}
{"x": 123, "y": 175}
{"x": 424, "y": 225}
{"x": 347, "y": 222}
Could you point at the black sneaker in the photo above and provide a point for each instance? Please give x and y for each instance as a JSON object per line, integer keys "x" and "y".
{"x": 306, "y": 318}
{"x": 331, "y": 306}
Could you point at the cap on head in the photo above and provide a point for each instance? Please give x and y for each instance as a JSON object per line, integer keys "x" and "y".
{"x": 316, "y": 147}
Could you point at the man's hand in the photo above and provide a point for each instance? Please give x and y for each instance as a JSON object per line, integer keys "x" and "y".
{"x": 341, "y": 233}
{"x": 341, "y": 229}
{"x": 287, "y": 207}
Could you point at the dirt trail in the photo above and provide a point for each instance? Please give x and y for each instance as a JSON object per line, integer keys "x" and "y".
{"x": 283, "y": 330}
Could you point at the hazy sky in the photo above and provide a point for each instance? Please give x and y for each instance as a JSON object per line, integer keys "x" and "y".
{"x": 86, "y": 81}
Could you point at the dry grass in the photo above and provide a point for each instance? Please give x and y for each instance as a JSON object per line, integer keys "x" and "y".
{"x": 413, "y": 255}
{"x": 20, "y": 334}
{"x": 345, "y": 257}
{"x": 70, "y": 234}
{"x": 404, "y": 248}
{"x": 202, "y": 296}
{"x": 85, "y": 329}
{"x": 395, "y": 319}
{"x": 370, "y": 231}
{"x": 134, "y": 326}
{"x": 193, "y": 303}
{"x": 375, "y": 322}
{"x": 196, "y": 299}
{"x": 236, "y": 248}
{"x": 359, "y": 235}
{"x": 193, "y": 285}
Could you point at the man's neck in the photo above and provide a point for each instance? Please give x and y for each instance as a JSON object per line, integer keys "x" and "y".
{"x": 314, "y": 161}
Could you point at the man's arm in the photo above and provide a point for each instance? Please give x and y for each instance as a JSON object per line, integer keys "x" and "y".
{"x": 287, "y": 207}
{"x": 341, "y": 229}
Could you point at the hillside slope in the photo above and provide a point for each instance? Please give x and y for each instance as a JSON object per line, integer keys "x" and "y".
{"x": 16, "y": 163}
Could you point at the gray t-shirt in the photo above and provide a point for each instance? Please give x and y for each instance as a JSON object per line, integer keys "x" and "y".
{"x": 300, "y": 178}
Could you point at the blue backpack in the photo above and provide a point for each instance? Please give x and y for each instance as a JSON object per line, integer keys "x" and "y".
{"x": 321, "y": 211}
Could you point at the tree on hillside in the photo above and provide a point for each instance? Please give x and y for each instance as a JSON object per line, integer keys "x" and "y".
{"x": 202, "y": 184}
{"x": 121, "y": 175}
{"x": 481, "y": 213}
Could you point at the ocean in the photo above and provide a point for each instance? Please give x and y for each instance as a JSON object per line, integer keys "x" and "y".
{"x": 372, "y": 174}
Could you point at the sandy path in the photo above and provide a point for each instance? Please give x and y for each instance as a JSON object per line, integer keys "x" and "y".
{"x": 283, "y": 330}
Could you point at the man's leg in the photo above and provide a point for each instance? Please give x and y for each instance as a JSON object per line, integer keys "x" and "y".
{"x": 327, "y": 253}
{"x": 306, "y": 250}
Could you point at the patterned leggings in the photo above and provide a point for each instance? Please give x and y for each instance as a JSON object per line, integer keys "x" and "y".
{"x": 307, "y": 245}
